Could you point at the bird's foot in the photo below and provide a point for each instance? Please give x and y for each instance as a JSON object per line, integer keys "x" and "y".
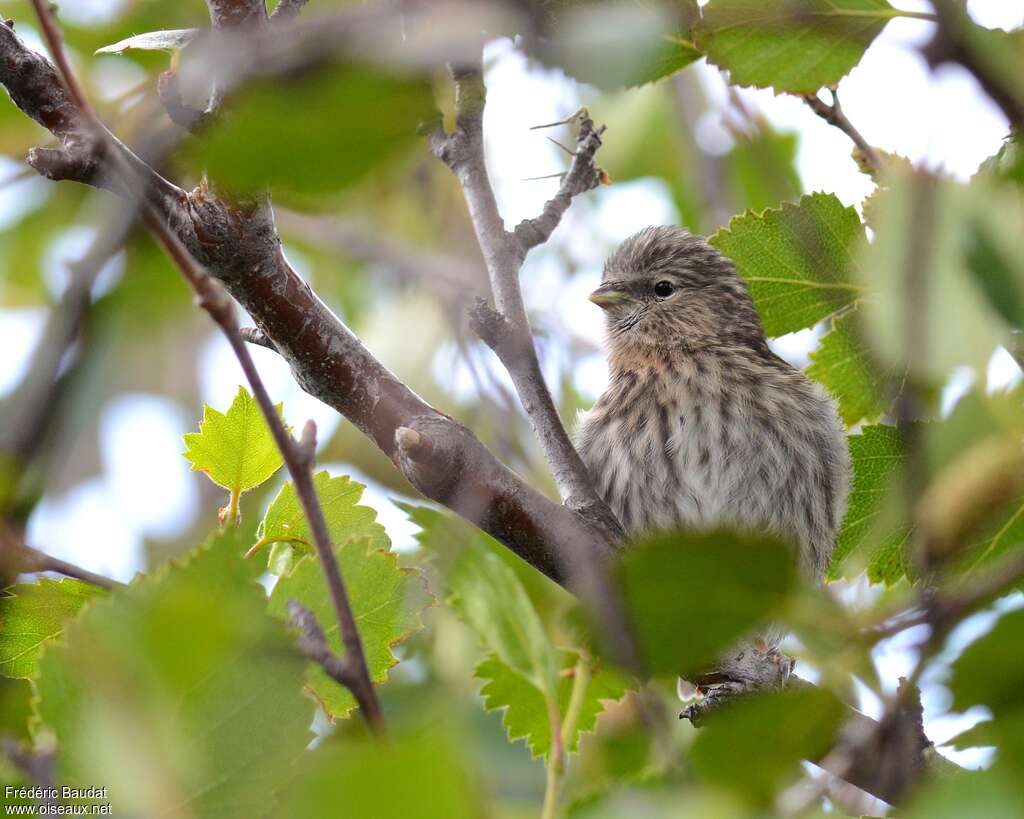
{"x": 762, "y": 667}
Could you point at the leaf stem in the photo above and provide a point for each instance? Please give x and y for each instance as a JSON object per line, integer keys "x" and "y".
{"x": 231, "y": 513}
{"x": 562, "y": 732}
{"x": 581, "y": 681}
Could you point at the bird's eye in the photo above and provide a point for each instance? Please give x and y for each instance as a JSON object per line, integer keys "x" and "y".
{"x": 663, "y": 289}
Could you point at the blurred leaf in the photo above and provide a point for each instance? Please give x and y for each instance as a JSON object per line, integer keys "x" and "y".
{"x": 179, "y": 693}
{"x": 526, "y": 715}
{"x": 235, "y": 449}
{"x": 625, "y": 43}
{"x": 651, "y": 141}
{"x": 32, "y": 614}
{"x": 998, "y": 269}
{"x": 732, "y": 584}
{"x": 990, "y": 671}
{"x": 947, "y": 256}
{"x": 796, "y": 260}
{"x": 754, "y": 745}
{"x": 168, "y": 40}
{"x": 426, "y": 777}
{"x": 351, "y": 119}
{"x": 790, "y": 45}
{"x": 661, "y": 800}
{"x": 386, "y": 600}
{"x": 869, "y": 536}
{"x": 1007, "y": 163}
{"x": 762, "y": 168}
{"x": 842, "y": 363}
{"x": 15, "y": 708}
{"x": 970, "y": 793}
{"x": 488, "y": 597}
{"x": 286, "y": 526}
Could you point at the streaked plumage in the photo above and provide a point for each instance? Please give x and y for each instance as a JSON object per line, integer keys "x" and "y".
{"x": 701, "y": 425}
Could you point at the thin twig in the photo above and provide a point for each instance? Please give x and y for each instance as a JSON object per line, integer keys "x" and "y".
{"x": 28, "y": 559}
{"x": 287, "y": 10}
{"x": 833, "y": 114}
{"x": 212, "y": 298}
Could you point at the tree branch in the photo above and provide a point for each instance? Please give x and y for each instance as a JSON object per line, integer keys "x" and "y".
{"x": 955, "y": 40}
{"x": 20, "y": 557}
{"x": 211, "y": 297}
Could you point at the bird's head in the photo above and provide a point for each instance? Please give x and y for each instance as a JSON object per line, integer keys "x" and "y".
{"x": 665, "y": 288}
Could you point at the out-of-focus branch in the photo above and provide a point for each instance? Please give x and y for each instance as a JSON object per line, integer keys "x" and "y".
{"x": 833, "y": 114}
{"x": 955, "y": 41}
{"x": 455, "y": 278}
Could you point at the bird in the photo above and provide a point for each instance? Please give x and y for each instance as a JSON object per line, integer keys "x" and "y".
{"x": 703, "y": 427}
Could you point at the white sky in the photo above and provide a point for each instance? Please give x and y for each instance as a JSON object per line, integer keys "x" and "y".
{"x": 939, "y": 119}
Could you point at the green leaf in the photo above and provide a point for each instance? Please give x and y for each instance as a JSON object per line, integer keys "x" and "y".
{"x": 285, "y": 523}
{"x": 386, "y": 600}
{"x": 842, "y": 363}
{"x": 871, "y": 535}
{"x": 423, "y": 776}
{"x": 355, "y": 118}
{"x": 796, "y": 260}
{"x": 754, "y": 745}
{"x": 235, "y": 449}
{"x": 732, "y": 584}
{"x": 948, "y": 255}
{"x": 179, "y": 693}
{"x": 32, "y": 614}
{"x": 489, "y": 598}
{"x": 170, "y": 40}
{"x": 526, "y": 715}
{"x": 797, "y": 46}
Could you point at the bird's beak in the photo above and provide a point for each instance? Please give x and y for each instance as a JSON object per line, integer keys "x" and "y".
{"x": 607, "y": 295}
